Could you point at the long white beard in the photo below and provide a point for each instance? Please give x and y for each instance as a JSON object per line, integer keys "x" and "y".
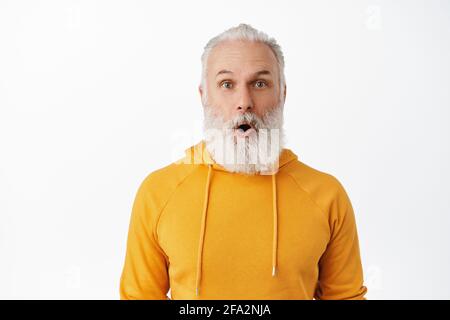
{"x": 255, "y": 154}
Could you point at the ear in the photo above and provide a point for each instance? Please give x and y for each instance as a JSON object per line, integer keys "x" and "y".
{"x": 285, "y": 86}
{"x": 200, "y": 90}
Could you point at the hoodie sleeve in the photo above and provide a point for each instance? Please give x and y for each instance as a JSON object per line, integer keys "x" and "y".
{"x": 144, "y": 275}
{"x": 340, "y": 269}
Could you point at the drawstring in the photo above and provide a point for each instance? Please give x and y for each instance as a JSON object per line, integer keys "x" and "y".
{"x": 275, "y": 224}
{"x": 202, "y": 231}
{"x": 203, "y": 226}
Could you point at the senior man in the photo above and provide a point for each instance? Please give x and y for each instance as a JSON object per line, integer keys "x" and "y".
{"x": 240, "y": 216}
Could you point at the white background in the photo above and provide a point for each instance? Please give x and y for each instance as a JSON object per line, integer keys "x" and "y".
{"x": 94, "y": 95}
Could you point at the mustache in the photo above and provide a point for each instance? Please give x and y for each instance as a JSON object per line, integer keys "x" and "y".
{"x": 247, "y": 118}
{"x": 217, "y": 120}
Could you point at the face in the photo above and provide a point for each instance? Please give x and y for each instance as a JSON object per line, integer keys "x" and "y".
{"x": 243, "y": 112}
{"x": 242, "y": 76}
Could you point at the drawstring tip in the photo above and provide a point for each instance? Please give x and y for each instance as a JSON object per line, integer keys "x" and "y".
{"x": 196, "y": 291}
{"x": 273, "y": 271}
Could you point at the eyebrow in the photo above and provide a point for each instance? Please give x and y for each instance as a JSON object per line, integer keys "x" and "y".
{"x": 258, "y": 73}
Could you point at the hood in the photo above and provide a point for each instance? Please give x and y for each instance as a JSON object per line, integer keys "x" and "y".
{"x": 199, "y": 155}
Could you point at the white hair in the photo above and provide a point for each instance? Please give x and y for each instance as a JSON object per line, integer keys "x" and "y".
{"x": 243, "y": 32}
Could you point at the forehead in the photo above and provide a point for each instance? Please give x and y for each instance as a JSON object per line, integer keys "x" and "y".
{"x": 241, "y": 57}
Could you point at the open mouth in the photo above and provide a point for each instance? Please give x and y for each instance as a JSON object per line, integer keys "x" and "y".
{"x": 244, "y": 127}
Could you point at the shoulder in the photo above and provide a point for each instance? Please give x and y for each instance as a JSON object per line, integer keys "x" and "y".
{"x": 156, "y": 189}
{"x": 167, "y": 178}
{"x": 323, "y": 188}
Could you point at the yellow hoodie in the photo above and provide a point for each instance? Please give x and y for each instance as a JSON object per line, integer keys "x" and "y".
{"x": 207, "y": 233}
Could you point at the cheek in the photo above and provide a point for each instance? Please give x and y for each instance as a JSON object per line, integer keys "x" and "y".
{"x": 266, "y": 100}
{"x": 221, "y": 109}
{"x": 223, "y": 104}
{"x": 227, "y": 113}
{"x": 219, "y": 97}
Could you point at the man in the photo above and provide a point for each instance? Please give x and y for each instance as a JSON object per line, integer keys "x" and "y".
{"x": 240, "y": 216}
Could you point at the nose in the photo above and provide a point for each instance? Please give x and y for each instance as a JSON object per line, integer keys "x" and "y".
{"x": 245, "y": 101}
{"x": 244, "y": 108}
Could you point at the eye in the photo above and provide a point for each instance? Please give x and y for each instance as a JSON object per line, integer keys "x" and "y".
{"x": 226, "y": 84}
{"x": 260, "y": 84}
